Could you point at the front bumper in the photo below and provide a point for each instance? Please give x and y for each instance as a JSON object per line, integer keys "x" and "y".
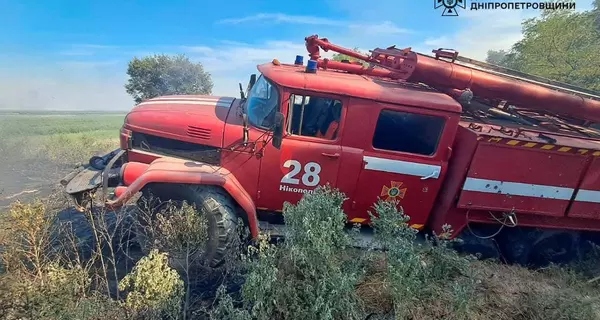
{"x": 101, "y": 171}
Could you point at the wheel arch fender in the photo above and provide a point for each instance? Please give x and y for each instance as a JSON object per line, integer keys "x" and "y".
{"x": 169, "y": 170}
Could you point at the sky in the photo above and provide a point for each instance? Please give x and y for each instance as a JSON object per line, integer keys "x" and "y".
{"x": 73, "y": 55}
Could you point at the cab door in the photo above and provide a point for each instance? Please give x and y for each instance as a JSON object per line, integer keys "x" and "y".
{"x": 310, "y": 150}
{"x": 404, "y": 159}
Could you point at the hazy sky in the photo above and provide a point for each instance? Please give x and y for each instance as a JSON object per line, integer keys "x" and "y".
{"x": 72, "y": 55}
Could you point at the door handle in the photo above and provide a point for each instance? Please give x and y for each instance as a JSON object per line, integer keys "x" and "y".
{"x": 433, "y": 174}
{"x": 331, "y": 155}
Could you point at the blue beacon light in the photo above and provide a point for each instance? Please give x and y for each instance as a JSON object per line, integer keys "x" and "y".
{"x": 299, "y": 60}
{"x": 311, "y": 66}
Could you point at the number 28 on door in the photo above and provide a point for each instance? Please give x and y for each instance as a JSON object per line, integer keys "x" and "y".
{"x": 300, "y": 176}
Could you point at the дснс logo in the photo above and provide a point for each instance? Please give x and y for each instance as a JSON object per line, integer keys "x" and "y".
{"x": 449, "y": 6}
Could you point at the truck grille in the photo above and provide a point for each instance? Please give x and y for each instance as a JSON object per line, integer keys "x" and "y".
{"x": 176, "y": 148}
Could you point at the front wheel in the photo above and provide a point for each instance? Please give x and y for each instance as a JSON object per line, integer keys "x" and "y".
{"x": 212, "y": 203}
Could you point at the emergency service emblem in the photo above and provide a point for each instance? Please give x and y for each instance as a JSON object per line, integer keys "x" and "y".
{"x": 394, "y": 191}
{"x": 449, "y": 6}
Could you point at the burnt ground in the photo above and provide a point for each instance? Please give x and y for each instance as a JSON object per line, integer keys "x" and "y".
{"x": 26, "y": 179}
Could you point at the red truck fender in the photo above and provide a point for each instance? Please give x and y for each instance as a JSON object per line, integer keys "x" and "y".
{"x": 170, "y": 170}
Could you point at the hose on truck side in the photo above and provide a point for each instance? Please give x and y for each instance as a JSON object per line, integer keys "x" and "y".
{"x": 507, "y": 216}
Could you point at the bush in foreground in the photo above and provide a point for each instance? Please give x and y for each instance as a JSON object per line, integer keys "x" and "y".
{"x": 428, "y": 279}
{"x": 314, "y": 274}
{"x": 310, "y": 275}
{"x": 39, "y": 282}
{"x": 155, "y": 291}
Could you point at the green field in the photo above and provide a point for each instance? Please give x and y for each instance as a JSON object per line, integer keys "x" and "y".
{"x": 63, "y": 137}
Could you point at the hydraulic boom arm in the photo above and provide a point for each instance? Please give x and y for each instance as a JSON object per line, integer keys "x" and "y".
{"x": 452, "y": 78}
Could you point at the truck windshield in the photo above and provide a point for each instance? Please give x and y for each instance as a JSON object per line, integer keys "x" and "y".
{"x": 262, "y": 103}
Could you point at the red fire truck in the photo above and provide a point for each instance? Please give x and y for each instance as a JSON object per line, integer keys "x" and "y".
{"x": 511, "y": 161}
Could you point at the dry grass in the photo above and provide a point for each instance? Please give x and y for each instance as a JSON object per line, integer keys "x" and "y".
{"x": 374, "y": 290}
{"x": 503, "y": 292}
{"x": 62, "y": 264}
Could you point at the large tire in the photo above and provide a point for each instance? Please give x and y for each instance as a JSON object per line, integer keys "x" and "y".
{"x": 537, "y": 248}
{"x": 211, "y": 201}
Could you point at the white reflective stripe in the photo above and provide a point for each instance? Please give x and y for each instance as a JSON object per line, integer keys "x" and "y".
{"x": 588, "y": 196}
{"x": 518, "y": 189}
{"x": 402, "y": 167}
{"x": 206, "y": 103}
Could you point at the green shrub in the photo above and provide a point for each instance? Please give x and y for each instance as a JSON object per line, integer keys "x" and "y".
{"x": 309, "y": 276}
{"x": 226, "y": 308}
{"x": 428, "y": 278}
{"x": 28, "y": 238}
{"x": 154, "y": 289}
{"x": 55, "y": 293}
{"x": 181, "y": 231}
{"x": 33, "y": 284}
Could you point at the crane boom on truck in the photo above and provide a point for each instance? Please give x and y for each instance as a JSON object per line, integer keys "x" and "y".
{"x": 452, "y": 74}
{"x": 503, "y": 157}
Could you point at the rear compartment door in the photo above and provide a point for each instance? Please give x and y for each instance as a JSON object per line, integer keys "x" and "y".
{"x": 587, "y": 200}
{"x": 404, "y": 161}
{"x": 522, "y": 177}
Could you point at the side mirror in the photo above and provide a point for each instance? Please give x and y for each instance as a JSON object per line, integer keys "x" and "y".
{"x": 245, "y": 127}
{"x": 278, "y": 130}
{"x": 251, "y": 82}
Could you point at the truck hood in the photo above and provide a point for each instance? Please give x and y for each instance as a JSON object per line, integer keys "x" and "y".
{"x": 193, "y": 118}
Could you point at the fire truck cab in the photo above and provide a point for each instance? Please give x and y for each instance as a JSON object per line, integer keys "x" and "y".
{"x": 367, "y": 137}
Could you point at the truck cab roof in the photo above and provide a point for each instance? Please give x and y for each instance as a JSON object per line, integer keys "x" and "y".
{"x": 361, "y": 86}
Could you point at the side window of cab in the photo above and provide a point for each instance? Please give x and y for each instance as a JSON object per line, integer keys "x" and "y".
{"x": 408, "y": 132}
{"x": 314, "y": 116}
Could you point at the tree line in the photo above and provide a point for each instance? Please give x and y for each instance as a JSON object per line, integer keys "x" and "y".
{"x": 562, "y": 45}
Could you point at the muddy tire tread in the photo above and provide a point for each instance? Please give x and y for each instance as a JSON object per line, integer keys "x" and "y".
{"x": 222, "y": 206}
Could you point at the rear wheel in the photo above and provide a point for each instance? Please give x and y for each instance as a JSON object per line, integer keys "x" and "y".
{"x": 539, "y": 247}
{"x": 211, "y": 202}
